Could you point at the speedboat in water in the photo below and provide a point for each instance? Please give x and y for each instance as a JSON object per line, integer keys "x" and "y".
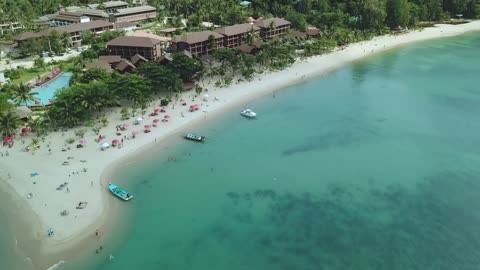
{"x": 248, "y": 113}
{"x": 193, "y": 137}
{"x": 119, "y": 192}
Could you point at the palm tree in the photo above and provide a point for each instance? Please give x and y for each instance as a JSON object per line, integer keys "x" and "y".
{"x": 9, "y": 123}
{"x": 37, "y": 125}
{"x": 23, "y": 95}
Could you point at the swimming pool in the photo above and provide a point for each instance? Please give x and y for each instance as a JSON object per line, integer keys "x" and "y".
{"x": 46, "y": 92}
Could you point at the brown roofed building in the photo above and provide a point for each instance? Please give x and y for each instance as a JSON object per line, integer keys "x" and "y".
{"x": 109, "y": 6}
{"x": 99, "y": 64}
{"x": 273, "y": 27}
{"x": 125, "y": 66}
{"x": 198, "y": 43}
{"x": 75, "y": 30}
{"x": 165, "y": 59}
{"x": 128, "y": 46}
{"x": 237, "y": 34}
{"x": 111, "y": 59}
{"x": 135, "y": 14}
{"x": 138, "y": 60}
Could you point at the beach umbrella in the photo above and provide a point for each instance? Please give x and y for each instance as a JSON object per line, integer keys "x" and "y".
{"x": 37, "y": 102}
{"x": 155, "y": 121}
{"x": 147, "y": 126}
{"x": 24, "y": 131}
{"x": 205, "y": 96}
{"x": 8, "y": 139}
{"x": 166, "y": 116}
{"x": 157, "y": 110}
{"x": 105, "y": 145}
{"x": 134, "y": 133}
{"x": 115, "y": 142}
{"x": 126, "y": 125}
{"x": 83, "y": 141}
{"x": 51, "y": 101}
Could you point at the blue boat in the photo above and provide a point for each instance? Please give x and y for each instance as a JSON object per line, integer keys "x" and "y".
{"x": 119, "y": 192}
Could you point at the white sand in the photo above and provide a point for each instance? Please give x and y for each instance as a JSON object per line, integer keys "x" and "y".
{"x": 47, "y": 202}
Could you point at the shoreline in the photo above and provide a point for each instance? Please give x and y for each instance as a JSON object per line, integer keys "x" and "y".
{"x": 74, "y": 231}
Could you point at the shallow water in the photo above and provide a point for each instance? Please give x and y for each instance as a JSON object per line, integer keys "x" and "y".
{"x": 374, "y": 166}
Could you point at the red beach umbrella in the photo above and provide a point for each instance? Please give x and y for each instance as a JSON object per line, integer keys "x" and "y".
{"x": 8, "y": 139}
{"x": 147, "y": 126}
{"x": 24, "y": 131}
{"x": 167, "y": 116}
{"x": 155, "y": 121}
{"x": 115, "y": 142}
{"x": 135, "y": 133}
{"x": 157, "y": 110}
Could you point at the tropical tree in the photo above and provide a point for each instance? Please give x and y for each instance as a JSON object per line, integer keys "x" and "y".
{"x": 23, "y": 95}
{"x": 186, "y": 67}
{"x": 132, "y": 87}
{"x": 38, "y": 125}
{"x": 161, "y": 78}
{"x": 39, "y": 63}
{"x": 373, "y": 14}
{"x": 94, "y": 74}
{"x": 398, "y": 12}
{"x": 9, "y": 123}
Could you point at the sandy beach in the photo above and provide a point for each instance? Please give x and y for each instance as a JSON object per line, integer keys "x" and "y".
{"x": 33, "y": 179}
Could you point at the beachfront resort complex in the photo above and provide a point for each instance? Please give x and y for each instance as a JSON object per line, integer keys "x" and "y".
{"x": 153, "y": 114}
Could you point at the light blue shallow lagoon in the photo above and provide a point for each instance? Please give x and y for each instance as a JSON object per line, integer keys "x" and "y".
{"x": 47, "y": 91}
{"x": 374, "y": 166}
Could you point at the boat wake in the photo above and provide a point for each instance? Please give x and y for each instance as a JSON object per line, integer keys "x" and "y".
{"x": 56, "y": 266}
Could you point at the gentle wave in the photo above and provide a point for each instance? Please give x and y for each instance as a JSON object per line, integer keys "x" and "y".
{"x": 56, "y": 266}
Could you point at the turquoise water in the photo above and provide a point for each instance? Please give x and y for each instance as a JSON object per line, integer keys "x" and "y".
{"x": 374, "y": 166}
{"x": 46, "y": 92}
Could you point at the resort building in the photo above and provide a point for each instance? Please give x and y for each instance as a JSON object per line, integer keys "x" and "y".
{"x": 237, "y": 34}
{"x": 67, "y": 18}
{"x": 109, "y": 6}
{"x": 273, "y": 27}
{"x": 99, "y": 64}
{"x": 138, "y": 60}
{"x": 125, "y": 66}
{"x": 198, "y": 43}
{"x": 75, "y": 30}
{"x": 134, "y": 14}
{"x": 128, "y": 46}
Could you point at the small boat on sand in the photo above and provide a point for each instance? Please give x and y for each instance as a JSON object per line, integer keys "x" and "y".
{"x": 248, "y": 113}
{"x": 193, "y": 137}
{"x": 119, "y": 192}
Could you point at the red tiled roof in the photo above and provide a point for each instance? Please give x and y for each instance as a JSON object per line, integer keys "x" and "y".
{"x": 276, "y": 22}
{"x": 136, "y": 58}
{"x": 196, "y": 37}
{"x": 124, "y": 64}
{"x": 237, "y": 29}
{"x": 110, "y": 58}
{"x": 99, "y": 64}
{"x": 129, "y": 41}
{"x": 27, "y": 35}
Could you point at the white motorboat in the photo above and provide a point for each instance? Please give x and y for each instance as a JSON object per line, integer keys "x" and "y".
{"x": 248, "y": 113}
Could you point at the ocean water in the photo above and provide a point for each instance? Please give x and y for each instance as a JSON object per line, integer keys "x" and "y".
{"x": 373, "y": 166}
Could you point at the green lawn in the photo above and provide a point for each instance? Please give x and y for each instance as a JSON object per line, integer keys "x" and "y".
{"x": 30, "y": 74}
